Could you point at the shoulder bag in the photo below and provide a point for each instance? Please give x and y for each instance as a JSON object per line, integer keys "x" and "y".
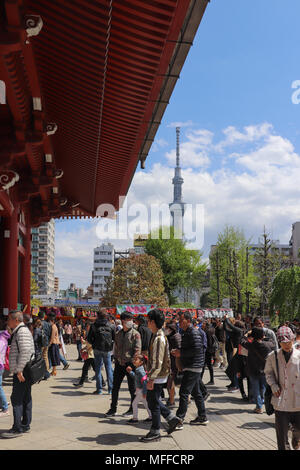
{"x": 35, "y": 369}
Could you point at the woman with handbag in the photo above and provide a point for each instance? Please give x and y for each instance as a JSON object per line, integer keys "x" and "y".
{"x": 284, "y": 379}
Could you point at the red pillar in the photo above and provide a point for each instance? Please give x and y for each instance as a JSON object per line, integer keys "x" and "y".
{"x": 26, "y": 270}
{"x": 10, "y": 261}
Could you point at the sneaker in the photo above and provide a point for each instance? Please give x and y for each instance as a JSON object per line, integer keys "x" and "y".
{"x": 200, "y": 420}
{"x": 132, "y": 420}
{"x": 66, "y": 367}
{"x": 173, "y": 423}
{"x": 258, "y": 411}
{"x": 179, "y": 427}
{"x": 233, "y": 389}
{"x": 8, "y": 404}
{"x": 295, "y": 443}
{"x": 170, "y": 405}
{"x": 97, "y": 392}
{"x": 244, "y": 397}
{"x": 128, "y": 412}
{"x": 211, "y": 382}
{"x": 151, "y": 436}
{"x": 147, "y": 420}
{"x": 4, "y": 413}
{"x": 110, "y": 413}
{"x": 25, "y": 429}
{"x": 78, "y": 385}
{"x": 11, "y": 434}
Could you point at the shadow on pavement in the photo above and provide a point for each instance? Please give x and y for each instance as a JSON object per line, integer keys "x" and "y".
{"x": 113, "y": 439}
{"x": 86, "y": 414}
{"x": 257, "y": 425}
{"x": 70, "y": 393}
{"x": 228, "y": 399}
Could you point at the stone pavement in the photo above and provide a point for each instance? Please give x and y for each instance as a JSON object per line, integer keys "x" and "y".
{"x": 66, "y": 418}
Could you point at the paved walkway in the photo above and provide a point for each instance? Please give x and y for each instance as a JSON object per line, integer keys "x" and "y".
{"x": 66, "y": 418}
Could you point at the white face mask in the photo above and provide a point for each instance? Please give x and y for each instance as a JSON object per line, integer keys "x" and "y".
{"x": 128, "y": 324}
{"x": 167, "y": 331}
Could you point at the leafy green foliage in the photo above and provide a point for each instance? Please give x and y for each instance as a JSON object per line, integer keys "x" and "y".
{"x": 285, "y": 295}
{"x": 34, "y": 291}
{"x": 180, "y": 266}
{"x": 134, "y": 280}
{"x": 268, "y": 261}
{"x": 232, "y": 274}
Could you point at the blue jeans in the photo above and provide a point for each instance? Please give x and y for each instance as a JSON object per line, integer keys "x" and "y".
{"x": 258, "y": 387}
{"x": 3, "y": 400}
{"x": 63, "y": 360}
{"x": 100, "y": 358}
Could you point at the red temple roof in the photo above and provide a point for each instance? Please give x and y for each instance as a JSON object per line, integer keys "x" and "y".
{"x": 102, "y": 71}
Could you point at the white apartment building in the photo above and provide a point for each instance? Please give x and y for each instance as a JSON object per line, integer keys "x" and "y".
{"x": 295, "y": 243}
{"x": 103, "y": 264}
{"x": 42, "y": 256}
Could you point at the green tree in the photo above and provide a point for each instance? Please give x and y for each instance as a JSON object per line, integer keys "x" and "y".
{"x": 232, "y": 273}
{"x": 181, "y": 267}
{"x": 285, "y": 294}
{"x": 267, "y": 261}
{"x": 34, "y": 291}
{"x": 137, "y": 279}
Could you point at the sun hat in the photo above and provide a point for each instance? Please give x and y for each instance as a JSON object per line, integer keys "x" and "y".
{"x": 285, "y": 334}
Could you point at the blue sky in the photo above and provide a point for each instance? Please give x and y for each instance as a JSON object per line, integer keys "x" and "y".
{"x": 240, "y": 132}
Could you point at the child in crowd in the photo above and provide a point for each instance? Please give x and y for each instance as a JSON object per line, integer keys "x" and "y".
{"x": 141, "y": 387}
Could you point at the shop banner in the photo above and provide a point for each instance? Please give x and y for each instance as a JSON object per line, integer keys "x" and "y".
{"x": 135, "y": 309}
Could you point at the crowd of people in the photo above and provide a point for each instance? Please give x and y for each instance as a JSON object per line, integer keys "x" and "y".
{"x": 158, "y": 355}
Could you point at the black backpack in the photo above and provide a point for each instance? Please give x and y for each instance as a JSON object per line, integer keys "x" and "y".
{"x": 44, "y": 339}
{"x": 214, "y": 345}
{"x": 103, "y": 338}
{"x": 46, "y": 333}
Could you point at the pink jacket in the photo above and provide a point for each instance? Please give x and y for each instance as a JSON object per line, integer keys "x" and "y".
{"x": 4, "y": 337}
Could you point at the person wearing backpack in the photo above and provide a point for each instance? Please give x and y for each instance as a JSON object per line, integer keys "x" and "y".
{"x": 39, "y": 337}
{"x": 210, "y": 353}
{"x": 46, "y": 335}
{"x": 101, "y": 336}
{"x": 4, "y": 337}
{"x": 21, "y": 351}
{"x": 258, "y": 350}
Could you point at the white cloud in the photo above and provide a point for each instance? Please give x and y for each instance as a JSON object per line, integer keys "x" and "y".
{"x": 194, "y": 152}
{"x": 251, "y": 133}
{"x": 159, "y": 144}
{"x": 256, "y": 187}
